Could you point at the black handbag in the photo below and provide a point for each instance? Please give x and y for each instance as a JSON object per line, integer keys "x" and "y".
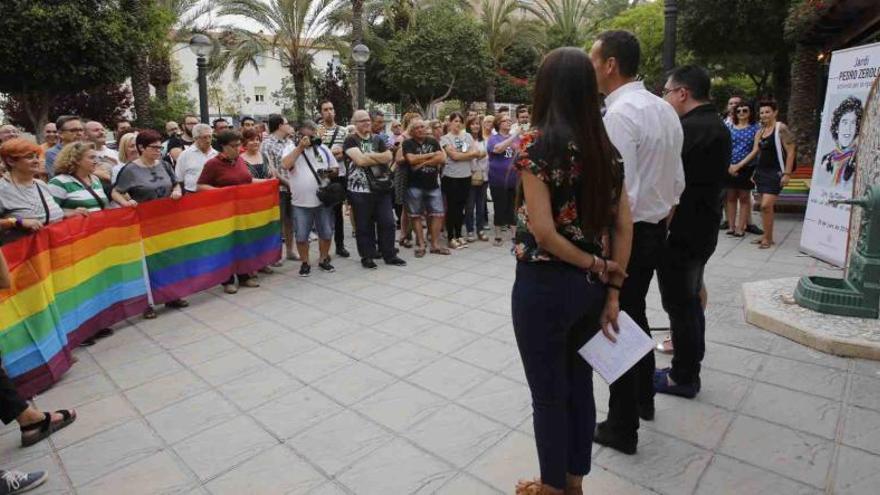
{"x": 379, "y": 178}
{"x": 329, "y": 193}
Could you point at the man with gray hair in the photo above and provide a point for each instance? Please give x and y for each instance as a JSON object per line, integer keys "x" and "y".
{"x": 107, "y": 158}
{"x": 192, "y": 160}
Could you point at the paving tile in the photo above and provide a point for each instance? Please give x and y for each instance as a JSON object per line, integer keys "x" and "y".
{"x": 255, "y": 333}
{"x": 784, "y": 451}
{"x": 449, "y": 377}
{"x": 159, "y": 473}
{"x": 857, "y": 472}
{"x": 444, "y": 338}
{"x": 330, "y": 329}
{"x": 722, "y": 389}
{"x": 370, "y": 314}
{"x": 601, "y": 480}
{"x": 513, "y": 458}
{"x": 440, "y": 310}
{"x": 131, "y": 375}
{"x": 397, "y": 467}
{"x": 261, "y": 386}
{"x": 180, "y": 336}
{"x": 488, "y": 353}
{"x": 457, "y": 435}
{"x": 277, "y": 470}
{"x": 126, "y": 353}
{"x": 289, "y": 414}
{"x": 501, "y": 399}
{"x": 362, "y": 343}
{"x": 191, "y": 416}
{"x": 329, "y": 488}
{"x": 691, "y": 421}
{"x": 93, "y": 418}
{"x": 161, "y": 392}
{"x": 403, "y": 358}
{"x": 400, "y": 405}
{"x": 223, "y": 447}
{"x": 436, "y": 288}
{"x": 466, "y": 484}
{"x": 339, "y": 440}
{"x": 862, "y": 429}
{"x": 726, "y": 476}
{"x": 229, "y": 366}
{"x": 204, "y": 350}
{"x": 794, "y": 409}
{"x": 865, "y": 392}
{"x": 108, "y": 451}
{"x": 64, "y": 394}
{"x": 12, "y": 453}
{"x": 810, "y": 378}
{"x": 733, "y": 359}
{"x": 404, "y": 325}
{"x": 85, "y": 366}
{"x": 313, "y": 365}
{"x": 353, "y": 383}
{"x": 283, "y": 348}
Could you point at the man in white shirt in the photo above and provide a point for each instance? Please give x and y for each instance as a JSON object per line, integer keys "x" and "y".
{"x": 191, "y": 162}
{"x": 647, "y": 132}
{"x": 309, "y": 164}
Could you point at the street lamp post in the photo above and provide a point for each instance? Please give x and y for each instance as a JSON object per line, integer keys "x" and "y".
{"x": 201, "y": 46}
{"x": 670, "y": 15}
{"x": 361, "y": 53}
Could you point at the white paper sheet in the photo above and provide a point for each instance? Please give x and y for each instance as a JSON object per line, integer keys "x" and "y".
{"x": 611, "y": 360}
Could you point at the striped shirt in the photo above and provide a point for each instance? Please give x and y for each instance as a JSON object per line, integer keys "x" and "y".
{"x": 71, "y": 194}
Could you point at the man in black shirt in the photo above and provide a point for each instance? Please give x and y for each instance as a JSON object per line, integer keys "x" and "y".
{"x": 693, "y": 232}
{"x": 425, "y": 157}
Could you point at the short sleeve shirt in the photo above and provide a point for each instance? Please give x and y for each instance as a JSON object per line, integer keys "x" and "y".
{"x": 462, "y": 143}
{"x": 303, "y": 186}
{"x": 25, "y": 202}
{"x": 219, "y": 172}
{"x": 501, "y": 170}
{"x": 424, "y": 177}
{"x": 144, "y": 184}
{"x": 357, "y": 176}
{"x": 334, "y": 136}
{"x": 564, "y": 182}
{"x": 71, "y": 194}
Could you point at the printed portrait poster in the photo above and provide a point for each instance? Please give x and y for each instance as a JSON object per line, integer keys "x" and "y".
{"x": 826, "y": 227}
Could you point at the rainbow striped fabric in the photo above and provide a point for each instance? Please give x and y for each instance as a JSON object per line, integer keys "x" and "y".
{"x": 78, "y": 276}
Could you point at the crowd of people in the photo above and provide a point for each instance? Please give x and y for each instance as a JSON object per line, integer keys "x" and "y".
{"x": 593, "y": 196}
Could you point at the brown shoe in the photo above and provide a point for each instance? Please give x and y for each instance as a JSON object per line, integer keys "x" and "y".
{"x": 535, "y": 487}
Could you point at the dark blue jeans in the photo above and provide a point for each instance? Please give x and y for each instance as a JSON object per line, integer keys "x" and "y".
{"x": 555, "y": 310}
{"x": 475, "y": 210}
{"x": 373, "y": 213}
{"x": 680, "y": 279}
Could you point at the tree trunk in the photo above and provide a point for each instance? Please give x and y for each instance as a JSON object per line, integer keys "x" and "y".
{"x": 299, "y": 87}
{"x": 490, "y": 96}
{"x": 782, "y": 83}
{"x": 140, "y": 88}
{"x": 803, "y": 106}
{"x": 36, "y": 106}
{"x": 161, "y": 75}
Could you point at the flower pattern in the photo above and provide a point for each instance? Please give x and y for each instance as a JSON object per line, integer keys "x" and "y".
{"x": 564, "y": 183}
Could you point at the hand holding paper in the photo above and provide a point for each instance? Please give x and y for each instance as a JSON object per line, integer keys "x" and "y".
{"x": 612, "y": 359}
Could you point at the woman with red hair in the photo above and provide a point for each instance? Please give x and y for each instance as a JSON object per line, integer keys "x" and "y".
{"x": 26, "y": 204}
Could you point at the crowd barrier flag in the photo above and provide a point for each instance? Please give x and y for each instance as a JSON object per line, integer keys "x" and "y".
{"x": 75, "y": 277}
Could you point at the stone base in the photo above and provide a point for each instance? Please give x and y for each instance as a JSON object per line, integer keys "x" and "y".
{"x": 769, "y": 304}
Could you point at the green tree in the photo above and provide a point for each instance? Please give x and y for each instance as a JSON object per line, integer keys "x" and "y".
{"x": 333, "y": 85}
{"x": 180, "y": 21}
{"x": 292, "y": 30}
{"x": 50, "y": 47}
{"x": 646, "y": 22}
{"x": 503, "y": 28}
{"x": 106, "y": 104}
{"x": 174, "y": 106}
{"x": 443, "y": 57}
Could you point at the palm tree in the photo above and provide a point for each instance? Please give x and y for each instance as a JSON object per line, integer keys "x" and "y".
{"x": 294, "y": 30}
{"x": 566, "y": 21}
{"x": 502, "y": 29}
{"x": 183, "y": 18}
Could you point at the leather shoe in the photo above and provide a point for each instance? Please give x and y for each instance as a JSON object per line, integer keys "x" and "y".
{"x": 754, "y": 229}
{"x": 605, "y": 435}
{"x": 342, "y": 252}
{"x": 646, "y": 411}
{"x": 662, "y": 386}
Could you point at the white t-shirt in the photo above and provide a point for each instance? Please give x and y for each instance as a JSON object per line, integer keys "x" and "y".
{"x": 303, "y": 186}
{"x": 190, "y": 164}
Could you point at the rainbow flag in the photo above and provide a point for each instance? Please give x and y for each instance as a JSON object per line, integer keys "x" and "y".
{"x": 75, "y": 277}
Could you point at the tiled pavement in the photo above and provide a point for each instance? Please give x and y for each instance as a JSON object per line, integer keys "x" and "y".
{"x": 407, "y": 380}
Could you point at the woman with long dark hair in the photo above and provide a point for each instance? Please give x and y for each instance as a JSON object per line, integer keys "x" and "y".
{"x": 571, "y": 198}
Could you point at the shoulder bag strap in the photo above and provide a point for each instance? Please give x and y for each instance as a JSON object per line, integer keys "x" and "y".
{"x": 779, "y": 151}
{"x": 309, "y": 163}
{"x": 45, "y": 204}
{"x": 91, "y": 191}
{"x": 335, "y": 133}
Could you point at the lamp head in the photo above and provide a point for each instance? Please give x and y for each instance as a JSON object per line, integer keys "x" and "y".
{"x": 200, "y": 45}
{"x": 360, "y": 53}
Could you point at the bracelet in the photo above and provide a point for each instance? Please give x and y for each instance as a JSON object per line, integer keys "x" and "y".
{"x": 19, "y": 222}
{"x": 786, "y": 173}
{"x": 590, "y": 268}
{"x": 613, "y": 286}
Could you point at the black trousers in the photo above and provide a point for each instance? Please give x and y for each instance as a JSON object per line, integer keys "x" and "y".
{"x": 339, "y": 232}
{"x": 372, "y": 212}
{"x": 456, "y": 191}
{"x": 555, "y": 310}
{"x": 11, "y": 404}
{"x": 503, "y": 200}
{"x": 680, "y": 280}
{"x": 636, "y": 386}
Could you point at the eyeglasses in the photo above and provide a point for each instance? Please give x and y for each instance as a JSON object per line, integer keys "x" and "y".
{"x": 666, "y": 91}
{"x": 157, "y": 147}
{"x": 50, "y": 132}
{"x": 743, "y": 110}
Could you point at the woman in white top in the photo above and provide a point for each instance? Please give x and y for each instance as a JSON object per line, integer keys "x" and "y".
{"x": 475, "y": 210}
{"x": 456, "y": 182}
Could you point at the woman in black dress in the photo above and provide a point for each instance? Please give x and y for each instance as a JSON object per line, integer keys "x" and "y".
{"x": 775, "y": 148}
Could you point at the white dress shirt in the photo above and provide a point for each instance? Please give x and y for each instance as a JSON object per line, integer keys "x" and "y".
{"x": 646, "y": 131}
{"x": 190, "y": 164}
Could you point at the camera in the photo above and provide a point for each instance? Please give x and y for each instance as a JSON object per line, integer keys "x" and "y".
{"x": 315, "y": 140}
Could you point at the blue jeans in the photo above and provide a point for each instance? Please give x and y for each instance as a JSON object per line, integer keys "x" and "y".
{"x": 555, "y": 311}
{"x": 319, "y": 217}
{"x": 476, "y": 206}
{"x": 373, "y": 212}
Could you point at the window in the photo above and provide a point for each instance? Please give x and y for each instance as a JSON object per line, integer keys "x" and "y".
{"x": 259, "y": 94}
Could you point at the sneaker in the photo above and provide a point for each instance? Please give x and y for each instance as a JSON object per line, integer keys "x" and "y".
{"x": 462, "y": 243}
{"x": 754, "y": 229}
{"x": 471, "y": 237}
{"x": 251, "y": 282}
{"x": 230, "y": 289}
{"x": 605, "y": 435}
{"x": 662, "y": 386}
{"x": 326, "y": 266}
{"x": 342, "y": 252}
{"x": 19, "y": 482}
{"x": 305, "y": 270}
{"x": 395, "y": 261}
{"x": 368, "y": 263}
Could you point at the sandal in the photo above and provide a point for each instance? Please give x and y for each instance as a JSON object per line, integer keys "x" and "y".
{"x": 441, "y": 250}
{"x": 88, "y": 342}
{"x": 150, "y": 313}
{"x": 420, "y": 252}
{"x": 731, "y": 232}
{"x": 739, "y": 234}
{"x": 483, "y": 237}
{"x": 765, "y": 245}
{"x": 407, "y": 243}
{"x": 535, "y": 487}
{"x": 498, "y": 242}
{"x": 759, "y": 240}
{"x": 46, "y": 427}
{"x": 177, "y": 304}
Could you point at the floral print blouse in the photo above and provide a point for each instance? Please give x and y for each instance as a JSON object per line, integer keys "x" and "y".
{"x": 564, "y": 184}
